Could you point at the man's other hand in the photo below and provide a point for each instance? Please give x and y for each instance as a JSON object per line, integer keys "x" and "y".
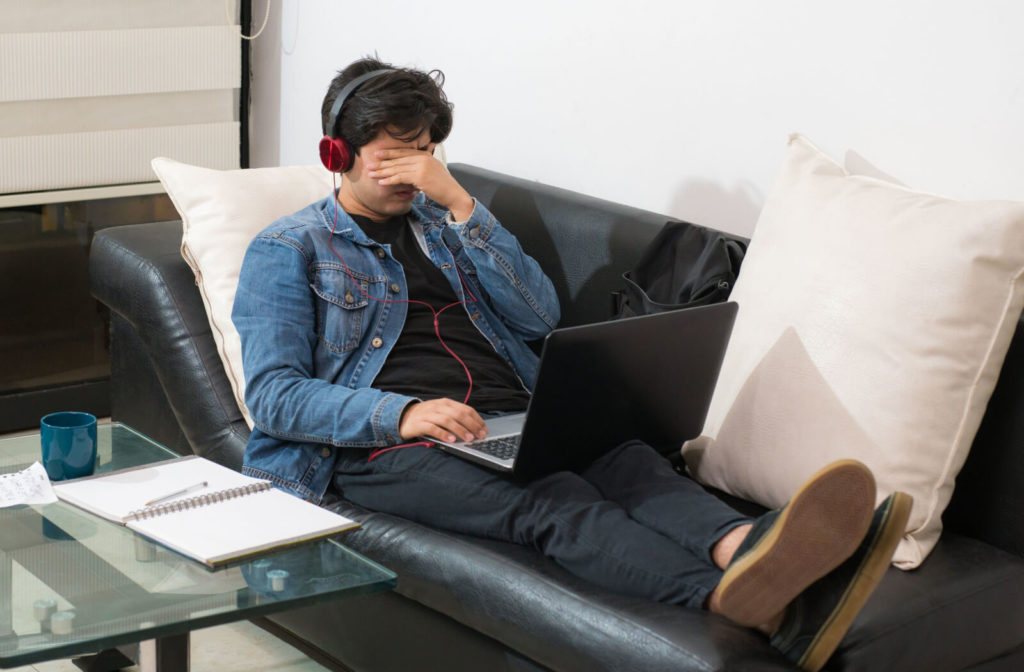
{"x": 442, "y": 419}
{"x": 420, "y": 169}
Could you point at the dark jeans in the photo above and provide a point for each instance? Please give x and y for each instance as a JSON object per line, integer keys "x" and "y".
{"x": 628, "y": 522}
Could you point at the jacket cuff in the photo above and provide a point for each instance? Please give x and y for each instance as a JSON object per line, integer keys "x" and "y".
{"x": 478, "y": 228}
{"x": 388, "y": 416}
{"x": 450, "y": 220}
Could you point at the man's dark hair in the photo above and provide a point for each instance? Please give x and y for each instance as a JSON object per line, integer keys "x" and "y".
{"x": 406, "y": 102}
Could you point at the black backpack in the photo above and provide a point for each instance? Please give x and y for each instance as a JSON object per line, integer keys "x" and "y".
{"x": 685, "y": 265}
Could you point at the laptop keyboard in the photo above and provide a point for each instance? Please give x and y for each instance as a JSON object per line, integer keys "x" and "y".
{"x": 503, "y": 447}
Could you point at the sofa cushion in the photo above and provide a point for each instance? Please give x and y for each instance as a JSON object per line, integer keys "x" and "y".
{"x": 221, "y": 212}
{"x": 531, "y": 605}
{"x": 528, "y": 603}
{"x": 959, "y": 610}
{"x": 873, "y": 323}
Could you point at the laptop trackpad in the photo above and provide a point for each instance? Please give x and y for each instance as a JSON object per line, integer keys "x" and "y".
{"x": 503, "y": 425}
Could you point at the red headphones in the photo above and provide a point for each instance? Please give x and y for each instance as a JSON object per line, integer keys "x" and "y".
{"x": 335, "y": 152}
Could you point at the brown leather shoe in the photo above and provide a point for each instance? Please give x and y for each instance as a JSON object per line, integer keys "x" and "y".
{"x": 816, "y": 621}
{"x": 788, "y": 549}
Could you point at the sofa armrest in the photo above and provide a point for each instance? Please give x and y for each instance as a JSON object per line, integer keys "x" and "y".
{"x": 138, "y": 272}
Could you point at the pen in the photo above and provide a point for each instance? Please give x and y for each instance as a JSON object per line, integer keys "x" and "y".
{"x": 183, "y": 491}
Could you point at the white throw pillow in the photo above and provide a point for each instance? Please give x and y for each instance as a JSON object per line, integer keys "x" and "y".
{"x": 221, "y": 212}
{"x": 873, "y": 322}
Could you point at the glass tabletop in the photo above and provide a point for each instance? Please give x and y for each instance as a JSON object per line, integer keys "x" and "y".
{"x": 117, "y": 447}
{"x": 72, "y": 583}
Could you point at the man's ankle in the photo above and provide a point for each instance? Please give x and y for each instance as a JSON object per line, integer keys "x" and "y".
{"x": 725, "y": 548}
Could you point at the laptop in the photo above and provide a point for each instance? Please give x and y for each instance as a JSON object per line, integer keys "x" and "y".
{"x": 599, "y": 385}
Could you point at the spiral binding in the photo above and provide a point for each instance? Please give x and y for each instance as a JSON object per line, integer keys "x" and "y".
{"x": 197, "y": 501}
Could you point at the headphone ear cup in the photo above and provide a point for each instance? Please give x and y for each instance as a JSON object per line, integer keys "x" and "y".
{"x": 335, "y": 154}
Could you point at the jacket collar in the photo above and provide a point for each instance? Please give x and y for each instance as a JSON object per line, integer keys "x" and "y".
{"x": 424, "y": 211}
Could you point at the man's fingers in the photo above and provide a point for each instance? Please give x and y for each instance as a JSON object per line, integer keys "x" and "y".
{"x": 393, "y": 172}
{"x": 445, "y": 434}
{"x": 450, "y": 432}
{"x": 395, "y": 158}
{"x": 387, "y": 181}
{"x": 397, "y": 153}
{"x": 443, "y": 419}
{"x": 379, "y": 168}
{"x": 390, "y": 164}
{"x": 386, "y": 177}
{"x": 467, "y": 417}
{"x": 457, "y": 419}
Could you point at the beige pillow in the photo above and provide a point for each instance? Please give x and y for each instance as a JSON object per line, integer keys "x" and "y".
{"x": 873, "y": 322}
{"x": 221, "y": 211}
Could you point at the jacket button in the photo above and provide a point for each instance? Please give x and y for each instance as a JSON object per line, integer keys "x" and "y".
{"x": 325, "y": 452}
{"x": 381, "y": 253}
{"x": 395, "y": 288}
{"x": 349, "y": 298}
{"x": 474, "y": 233}
{"x": 376, "y": 342}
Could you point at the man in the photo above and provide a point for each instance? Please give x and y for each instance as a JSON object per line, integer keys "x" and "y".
{"x": 399, "y": 309}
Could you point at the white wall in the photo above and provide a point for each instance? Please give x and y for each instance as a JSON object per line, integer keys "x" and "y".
{"x": 681, "y": 107}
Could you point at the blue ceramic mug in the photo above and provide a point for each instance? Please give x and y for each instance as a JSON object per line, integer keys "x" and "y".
{"x": 69, "y": 444}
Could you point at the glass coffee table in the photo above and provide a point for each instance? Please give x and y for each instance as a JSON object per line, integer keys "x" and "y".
{"x": 73, "y": 584}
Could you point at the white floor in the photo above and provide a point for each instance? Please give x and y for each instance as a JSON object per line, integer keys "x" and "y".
{"x": 236, "y": 647}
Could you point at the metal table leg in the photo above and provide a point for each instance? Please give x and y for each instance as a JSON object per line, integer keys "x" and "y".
{"x": 6, "y": 595}
{"x": 166, "y": 654}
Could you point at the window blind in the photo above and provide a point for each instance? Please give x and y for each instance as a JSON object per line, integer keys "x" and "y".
{"x": 91, "y": 92}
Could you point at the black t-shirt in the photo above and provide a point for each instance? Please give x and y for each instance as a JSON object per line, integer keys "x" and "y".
{"x": 418, "y": 365}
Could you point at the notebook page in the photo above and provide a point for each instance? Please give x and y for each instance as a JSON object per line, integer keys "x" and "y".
{"x": 234, "y": 528}
{"x": 113, "y": 496}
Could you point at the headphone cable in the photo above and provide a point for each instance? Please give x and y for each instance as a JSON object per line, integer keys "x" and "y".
{"x": 435, "y": 312}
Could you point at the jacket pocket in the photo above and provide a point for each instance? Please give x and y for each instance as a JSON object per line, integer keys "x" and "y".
{"x": 340, "y": 311}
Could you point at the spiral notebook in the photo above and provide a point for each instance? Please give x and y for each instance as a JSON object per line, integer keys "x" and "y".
{"x": 219, "y": 516}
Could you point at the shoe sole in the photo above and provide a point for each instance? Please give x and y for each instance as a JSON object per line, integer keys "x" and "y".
{"x": 871, "y": 571}
{"x": 823, "y": 524}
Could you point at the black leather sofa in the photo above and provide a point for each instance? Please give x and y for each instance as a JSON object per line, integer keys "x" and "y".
{"x": 466, "y": 604}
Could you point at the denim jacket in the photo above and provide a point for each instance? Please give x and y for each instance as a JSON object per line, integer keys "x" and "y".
{"x": 313, "y": 342}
